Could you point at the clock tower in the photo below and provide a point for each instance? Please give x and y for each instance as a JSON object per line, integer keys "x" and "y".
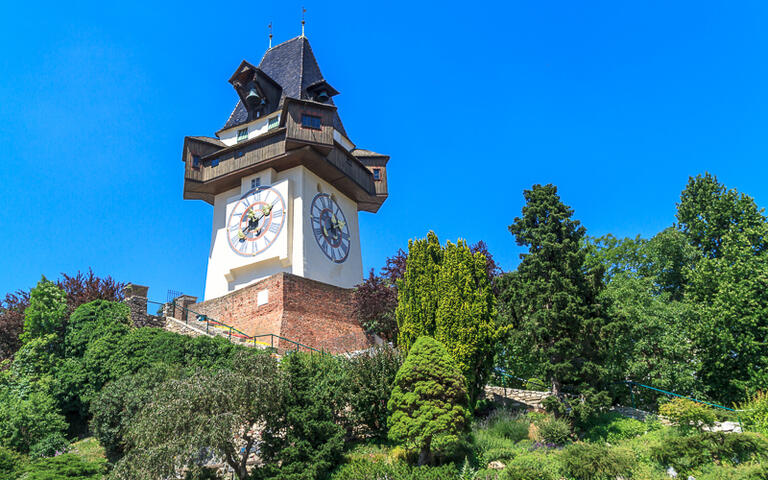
{"x": 286, "y": 183}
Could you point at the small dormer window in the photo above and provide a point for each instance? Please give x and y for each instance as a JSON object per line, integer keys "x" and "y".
{"x": 273, "y": 123}
{"x": 242, "y": 135}
{"x": 310, "y": 121}
{"x": 377, "y": 174}
{"x": 255, "y": 182}
{"x": 195, "y": 161}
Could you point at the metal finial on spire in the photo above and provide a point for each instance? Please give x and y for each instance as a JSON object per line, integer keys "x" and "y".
{"x": 270, "y": 34}
{"x": 303, "y": 11}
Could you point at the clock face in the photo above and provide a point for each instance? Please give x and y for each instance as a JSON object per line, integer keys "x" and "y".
{"x": 256, "y": 221}
{"x": 330, "y": 228}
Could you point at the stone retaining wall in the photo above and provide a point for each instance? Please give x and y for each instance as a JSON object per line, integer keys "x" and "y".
{"x": 514, "y": 397}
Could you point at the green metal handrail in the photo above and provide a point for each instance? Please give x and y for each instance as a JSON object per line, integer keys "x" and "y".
{"x": 239, "y": 333}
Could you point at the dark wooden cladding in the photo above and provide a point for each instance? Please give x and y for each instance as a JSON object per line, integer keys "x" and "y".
{"x": 350, "y": 166}
{"x": 247, "y": 155}
{"x": 294, "y": 111}
{"x": 221, "y": 167}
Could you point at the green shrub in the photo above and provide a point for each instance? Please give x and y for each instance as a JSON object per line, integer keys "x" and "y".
{"x": 686, "y": 453}
{"x": 687, "y": 415}
{"x": 755, "y": 415}
{"x": 429, "y": 403}
{"x": 201, "y": 473}
{"x": 752, "y": 471}
{"x": 368, "y": 470}
{"x": 535, "y": 465}
{"x": 11, "y": 463}
{"x": 555, "y": 431}
{"x": 371, "y": 377}
{"x": 613, "y": 427}
{"x": 536, "y": 384}
{"x": 67, "y": 466}
{"x": 494, "y": 454}
{"x": 52, "y": 445}
{"x": 506, "y": 426}
{"x": 591, "y": 461}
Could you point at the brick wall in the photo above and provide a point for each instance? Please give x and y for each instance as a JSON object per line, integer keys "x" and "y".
{"x": 309, "y": 312}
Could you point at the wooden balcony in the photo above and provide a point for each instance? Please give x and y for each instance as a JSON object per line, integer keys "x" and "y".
{"x": 212, "y": 167}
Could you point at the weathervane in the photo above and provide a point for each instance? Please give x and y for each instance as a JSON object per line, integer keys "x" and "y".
{"x": 303, "y": 11}
{"x": 270, "y": 34}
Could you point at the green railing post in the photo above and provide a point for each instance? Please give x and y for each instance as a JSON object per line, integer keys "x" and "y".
{"x": 230, "y": 333}
{"x": 205, "y": 317}
{"x": 271, "y": 341}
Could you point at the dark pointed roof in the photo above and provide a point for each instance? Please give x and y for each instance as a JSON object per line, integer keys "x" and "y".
{"x": 292, "y": 65}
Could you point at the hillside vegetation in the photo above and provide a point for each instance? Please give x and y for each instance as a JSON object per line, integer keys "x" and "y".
{"x": 85, "y": 395}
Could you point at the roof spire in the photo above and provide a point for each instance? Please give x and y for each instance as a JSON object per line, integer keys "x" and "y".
{"x": 270, "y": 34}
{"x": 303, "y": 11}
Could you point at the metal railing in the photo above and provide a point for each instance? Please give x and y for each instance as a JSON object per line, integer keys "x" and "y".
{"x": 222, "y": 329}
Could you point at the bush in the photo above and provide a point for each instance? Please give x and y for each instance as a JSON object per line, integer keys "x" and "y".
{"x": 590, "y": 461}
{"x": 555, "y": 431}
{"x": 536, "y": 384}
{"x": 429, "y": 402}
{"x": 26, "y": 418}
{"x": 744, "y": 472}
{"x": 11, "y": 463}
{"x": 535, "y": 465}
{"x": 368, "y": 470}
{"x": 50, "y": 446}
{"x": 371, "y": 376}
{"x": 687, "y": 453}
{"x": 755, "y": 415}
{"x": 118, "y": 402}
{"x": 687, "y": 415}
{"x": 507, "y": 426}
{"x": 613, "y": 427}
{"x": 67, "y": 466}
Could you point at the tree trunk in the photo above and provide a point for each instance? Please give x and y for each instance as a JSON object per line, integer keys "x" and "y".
{"x": 424, "y": 456}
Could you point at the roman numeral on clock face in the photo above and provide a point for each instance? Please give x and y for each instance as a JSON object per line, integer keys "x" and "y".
{"x": 247, "y": 230}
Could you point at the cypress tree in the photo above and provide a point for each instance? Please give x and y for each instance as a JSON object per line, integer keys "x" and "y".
{"x": 466, "y": 312}
{"x": 416, "y": 291}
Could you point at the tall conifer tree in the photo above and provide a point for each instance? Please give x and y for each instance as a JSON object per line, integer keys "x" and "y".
{"x": 466, "y": 313}
{"x": 416, "y": 291}
{"x": 555, "y": 296}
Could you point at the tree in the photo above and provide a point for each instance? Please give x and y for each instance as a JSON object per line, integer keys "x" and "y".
{"x": 727, "y": 285}
{"x": 27, "y": 416}
{"x": 46, "y": 313}
{"x": 416, "y": 299}
{"x": 643, "y": 296}
{"x": 12, "y": 322}
{"x": 371, "y": 375}
{"x": 429, "y": 402}
{"x": 307, "y": 437}
{"x": 375, "y": 301}
{"x": 554, "y": 295}
{"x": 118, "y": 403}
{"x": 210, "y": 414}
{"x": 465, "y": 321}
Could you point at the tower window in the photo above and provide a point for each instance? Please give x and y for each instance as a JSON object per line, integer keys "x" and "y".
{"x": 273, "y": 123}
{"x": 242, "y": 135}
{"x": 377, "y": 174}
{"x": 310, "y": 121}
{"x": 195, "y": 161}
{"x": 255, "y": 182}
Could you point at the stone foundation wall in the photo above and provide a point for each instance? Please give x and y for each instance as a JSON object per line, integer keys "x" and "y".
{"x": 303, "y": 310}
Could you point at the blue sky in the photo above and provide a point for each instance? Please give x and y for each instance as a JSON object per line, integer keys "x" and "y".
{"x": 615, "y": 102}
